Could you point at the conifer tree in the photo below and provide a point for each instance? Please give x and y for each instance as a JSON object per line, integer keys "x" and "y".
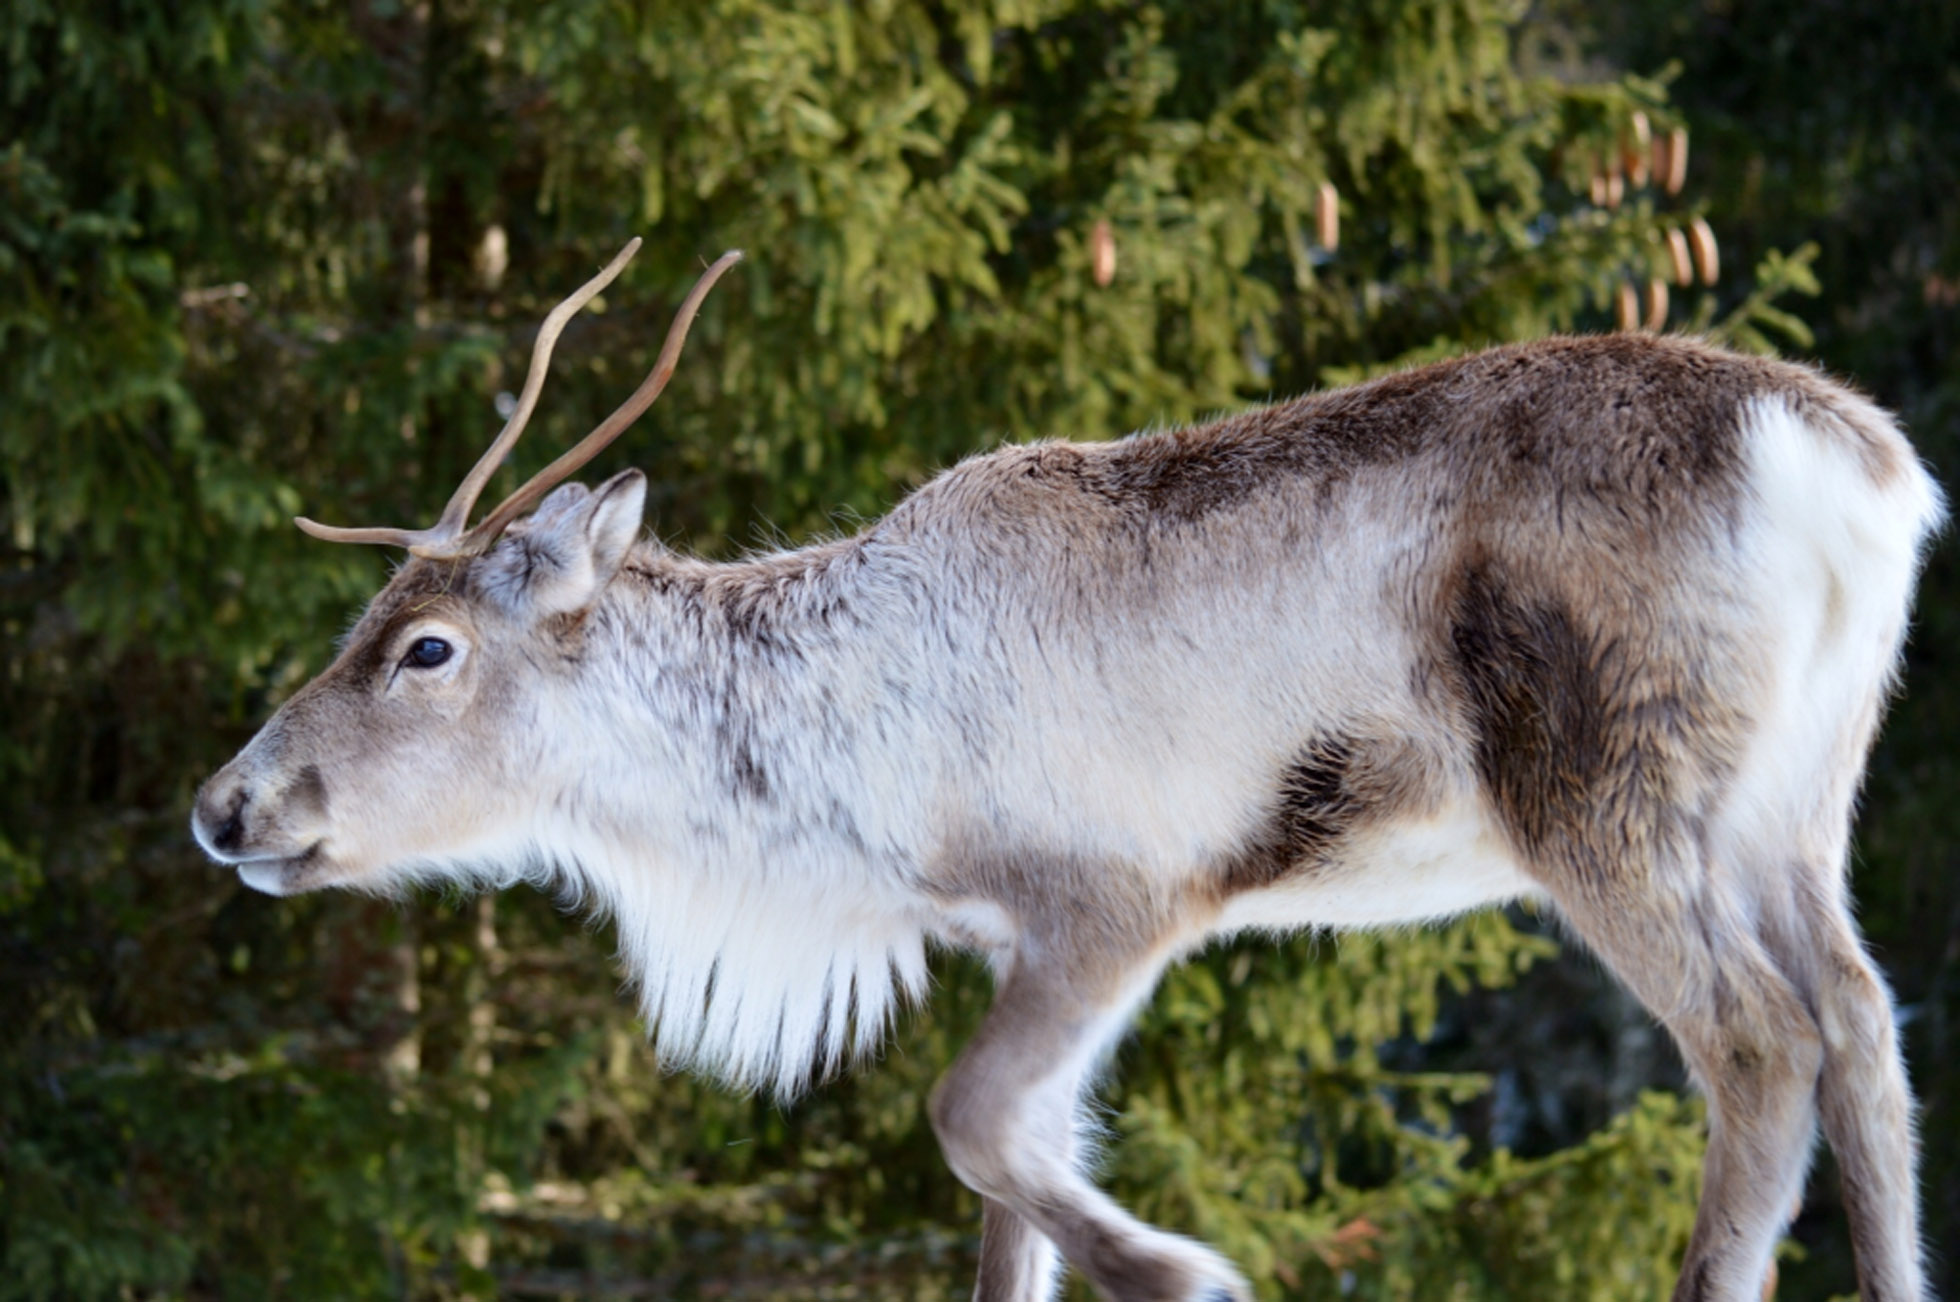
{"x": 264, "y": 256}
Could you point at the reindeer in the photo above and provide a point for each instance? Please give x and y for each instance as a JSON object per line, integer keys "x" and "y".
{"x": 1607, "y": 623}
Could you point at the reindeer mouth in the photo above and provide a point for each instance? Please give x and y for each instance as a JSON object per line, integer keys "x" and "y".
{"x": 289, "y": 874}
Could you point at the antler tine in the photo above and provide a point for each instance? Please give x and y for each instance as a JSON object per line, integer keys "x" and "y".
{"x": 385, "y": 536}
{"x": 479, "y": 539}
{"x": 456, "y": 515}
{"x": 450, "y": 525}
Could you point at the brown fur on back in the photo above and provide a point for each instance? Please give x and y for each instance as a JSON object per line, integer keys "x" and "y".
{"x": 1650, "y": 420}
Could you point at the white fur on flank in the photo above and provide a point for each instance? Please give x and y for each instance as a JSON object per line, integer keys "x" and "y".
{"x": 1422, "y": 870}
{"x": 1830, "y": 561}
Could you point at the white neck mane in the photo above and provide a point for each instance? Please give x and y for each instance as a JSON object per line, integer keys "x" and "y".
{"x": 763, "y": 901}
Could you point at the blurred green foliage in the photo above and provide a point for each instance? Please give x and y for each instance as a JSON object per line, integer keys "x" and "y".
{"x": 259, "y": 256}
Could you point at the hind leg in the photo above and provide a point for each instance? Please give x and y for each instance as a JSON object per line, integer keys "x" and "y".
{"x": 1696, "y": 962}
{"x": 1867, "y": 1108}
{"x": 1798, "y": 844}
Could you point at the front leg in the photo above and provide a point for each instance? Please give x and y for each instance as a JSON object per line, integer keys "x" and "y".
{"x": 1006, "y": 1117}
{"x": 1018, "y": 1263}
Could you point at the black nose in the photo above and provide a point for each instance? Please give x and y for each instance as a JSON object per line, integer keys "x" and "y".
{"x": 232, "y": 831}
{"x": 219, "y": 819}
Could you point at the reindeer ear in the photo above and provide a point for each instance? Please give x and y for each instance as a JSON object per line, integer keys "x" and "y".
{"x": 564, "y": 555}
{"x": 614, "y": 523}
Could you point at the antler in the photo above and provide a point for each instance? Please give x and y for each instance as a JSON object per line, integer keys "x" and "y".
{"x": 448, "y": 538}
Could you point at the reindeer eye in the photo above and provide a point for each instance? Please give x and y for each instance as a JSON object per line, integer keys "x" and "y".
{"x": 427, "y": 652}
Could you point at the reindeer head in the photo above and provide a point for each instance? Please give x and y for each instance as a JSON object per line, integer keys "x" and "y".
{"x": 399, "y": 755}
